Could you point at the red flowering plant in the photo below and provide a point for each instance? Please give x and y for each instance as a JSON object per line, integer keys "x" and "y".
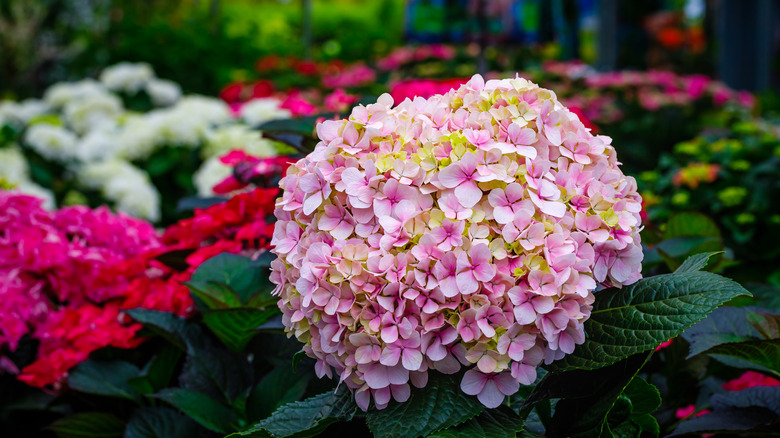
{"x": 78, "y": 285}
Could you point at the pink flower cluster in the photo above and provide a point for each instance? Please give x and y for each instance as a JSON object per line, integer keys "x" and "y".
{"x": 464, "y": 230}
{"x": 54, "y": 259}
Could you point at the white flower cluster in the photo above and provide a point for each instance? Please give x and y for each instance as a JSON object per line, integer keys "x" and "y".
{"x": 125, "y": 184}
{"x": 85, "y": 127}
{"x": 14, "y": 170}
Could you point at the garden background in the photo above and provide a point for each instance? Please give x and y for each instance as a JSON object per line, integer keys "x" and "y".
{"x": 151, "y": 136}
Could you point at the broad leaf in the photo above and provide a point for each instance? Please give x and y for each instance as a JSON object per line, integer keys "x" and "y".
{"x": 160, "y": 423}
{"x": 305, "y": 418}
{"x": 696, "y": 262}
{"x": 105, "y": 378}
{"x": 201, "y": 408}
{"x": 644, "y": 399}
{"x": 193, "y": 203}
{"x": 587, "y": 396}
{"x": 725, "y": 325}
{"x": 218, "y": 373}
{"x": 183, "y": 333}
{"x": 158, "y": 372}
{"x": 235, "y": 271}
{"x": 88, "y": 425}
{"x": 214, "y": 295}
{"x": 641, "y": 316}
{"x": 439, "y": 405}
{"x": 690, "y": 224}
{"x": 277, "y": 388}
{"x": 753, "y": 409}
{"x": 758, "y": 355}
{"x": 501, "y": 422}
{"x": 236, "y": 327}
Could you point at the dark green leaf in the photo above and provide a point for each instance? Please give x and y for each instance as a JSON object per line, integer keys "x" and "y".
{"x": 439, "y": 405}
{"x": 235, "y": 271}
{"x": 761, "y": 355}
{"x": 587, "y": 396}
{"x": 305, "y": 418}
{"x": 214, "y": 295}
{"x": 104, "y": 378}
{"x": 89, "y": 425}
{"x": 185, "y": 334}
{"x": 641, "y": 316}
{"x": 277, "y": 388}
{"x": 160, "y": 423}
{"x": 236, "y": 327}
{"x": 753, "y": 409}
{"x": 501, "y": 422}
{"x": 644, "y": 399}
{"x": 727, "y": 324}
{"x": 157, "y": 374}
{"x": 219, "y": 373}
{"x": 696, "y": 262}
{"x": 766, "y": 324}
{"x": 690, "y": 224}
{"x": 201, "y": 408}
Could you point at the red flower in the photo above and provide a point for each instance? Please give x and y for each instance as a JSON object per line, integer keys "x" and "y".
{"x": 749, "y": 380}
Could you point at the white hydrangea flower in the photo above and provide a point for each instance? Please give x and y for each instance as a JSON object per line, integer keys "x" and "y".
{"x": 163, "y": 92}
{"x": 207, "y": 109}
{"x": 13, "y": 165}
{"x": 137, "y": 138}
{"x": 14, "y": 169}
{"x": 128, "y": 187}
{"x": 52, "y": 141}
{"x": 99, "y": 144}
{"x": 127, "y": 77}
{"x": 211, "y": 173}
{"x": 226, "y": 138}
{"x": 58, "y": 95}
{"x": 258, "y": 111}
{"x": 86, "y": 113}
{"x": 22, "y": 112}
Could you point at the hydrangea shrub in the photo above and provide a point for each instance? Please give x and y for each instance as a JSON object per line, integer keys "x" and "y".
{"x": 469, "y": 229}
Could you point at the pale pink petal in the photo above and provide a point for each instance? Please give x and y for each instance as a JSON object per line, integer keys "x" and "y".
{"x": 473, "y": 382}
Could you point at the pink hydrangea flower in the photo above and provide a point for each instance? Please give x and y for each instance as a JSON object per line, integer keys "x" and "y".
{"x": 485, "y": 218}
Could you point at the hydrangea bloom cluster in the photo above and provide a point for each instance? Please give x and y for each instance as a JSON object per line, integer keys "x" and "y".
{"x": 469, "y": 229}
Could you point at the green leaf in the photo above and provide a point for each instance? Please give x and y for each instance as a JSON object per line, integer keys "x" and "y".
{"x": 160, "y": 422}
{"x": 587, "y": 396}
{"x": 644, "y": 399}
{"x": 235, "y": 271}
{"x": 766, "y": 324}
{"x": 641, "y": 316}
{"x": 724, "y": 325}
{"x": 236, "y": 327}
{"x": 201, "y": 408}
{"x": 761, "y": 355}
{"x": 221, "y": 374}
{"x": 277, "y": 388}
{"x": 105, "y": 378}
{"x": 157, "y": 374}
{"x": 439, "y": 405}
{"x": 756, "y": 410}
{"x": 88, "y": 425}
{"x": 305, "y": 418}
{"x": 183, "y": 333}
{"x": 501, "y": 422}
{"x": 696, "y": 262}
{"x": 214, "y": 295}
{"x": 690, "y": 224}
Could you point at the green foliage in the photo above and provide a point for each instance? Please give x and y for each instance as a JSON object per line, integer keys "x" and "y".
{"x": 104, "y": 378}
{"x": 439, "y": 405}
{"x": 201, "y": 408}
{"x": 501, "y": 422}
{"x": 160, "y": 422}
{"x": 754, "y": 410}
{"x": 639, "y": 317}
{"x": 88, "y": 425}
{"x": 305, "y": 418}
